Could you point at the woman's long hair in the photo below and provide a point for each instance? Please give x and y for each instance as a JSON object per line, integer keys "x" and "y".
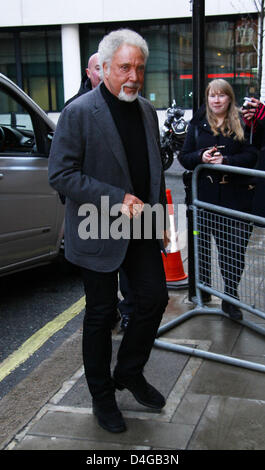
{"x": 231, "y": 124}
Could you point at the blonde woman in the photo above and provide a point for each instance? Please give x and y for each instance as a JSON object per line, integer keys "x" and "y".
{"x": 216, "y": 136}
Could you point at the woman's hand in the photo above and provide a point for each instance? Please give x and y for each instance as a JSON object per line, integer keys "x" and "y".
{"x": 212, "y": 156}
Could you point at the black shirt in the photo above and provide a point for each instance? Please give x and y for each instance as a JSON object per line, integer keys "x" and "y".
{"x": 128, "y": 119}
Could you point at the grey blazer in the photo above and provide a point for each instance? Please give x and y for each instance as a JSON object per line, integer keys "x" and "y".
{"x": 87, "y": 161}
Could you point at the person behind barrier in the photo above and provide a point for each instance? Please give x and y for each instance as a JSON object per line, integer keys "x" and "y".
{"x": 254, "y": 118}
{"x": 216, "y": 136}
{"x": 105, "y": 154}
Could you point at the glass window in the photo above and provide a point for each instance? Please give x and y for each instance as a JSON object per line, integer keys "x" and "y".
{"x": 54, "y": 61}
{"x": 245, "y": 57}
{"x": 229, "y": 53}
{"x": 42, "y": 68}
{"x": 34, "y": 67}
{"x": 181, "y": 64}
{"x": 89, "y": 41}
{"x": 7, "y": 55}
{"x": 219, "y": 40}
{"x": 33, "y": 60}
{"x": 156, "y": 87}
{"x": 16, "y": 128}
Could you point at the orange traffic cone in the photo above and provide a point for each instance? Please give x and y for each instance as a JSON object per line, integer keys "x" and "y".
{"x": 172, "y": 262}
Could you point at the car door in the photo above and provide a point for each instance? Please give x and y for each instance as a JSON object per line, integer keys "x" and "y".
{"x": 28, "y": 205}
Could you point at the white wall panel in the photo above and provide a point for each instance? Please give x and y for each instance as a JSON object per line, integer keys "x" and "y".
{"x": 61, "y": 11}
{"x": 120, "y": 10}
{"x": 71, "y": 60}
{"x": 39, "y": 12}
{"x": 11, "y": 13}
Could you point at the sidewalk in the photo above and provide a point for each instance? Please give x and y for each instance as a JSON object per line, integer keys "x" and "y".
{"x": 210, "y": 405}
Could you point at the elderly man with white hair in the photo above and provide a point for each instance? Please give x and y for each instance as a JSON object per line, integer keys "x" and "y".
{"x": 106, "y": 148}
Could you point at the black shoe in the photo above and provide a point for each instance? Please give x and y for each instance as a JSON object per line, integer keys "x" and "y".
{"x": 125, "y": 317}
{"x": 232, "y": 310}
{"x": 142, "y": 391}
{"x": 108, "y": 414}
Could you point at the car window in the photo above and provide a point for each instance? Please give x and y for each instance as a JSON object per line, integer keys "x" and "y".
{"x": 16, "y": 127}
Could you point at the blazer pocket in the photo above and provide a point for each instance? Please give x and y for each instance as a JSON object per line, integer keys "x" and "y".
{"x": 92, "y": 247}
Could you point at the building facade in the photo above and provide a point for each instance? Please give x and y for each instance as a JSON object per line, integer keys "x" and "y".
{"x": 44, "y": 46}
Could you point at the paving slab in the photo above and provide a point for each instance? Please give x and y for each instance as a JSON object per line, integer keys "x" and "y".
{"x": 231, "y": 423}
{"x": 162, "y": 370}
{"x": 62, "y": 443}
{"x": 230, "y": 381}
{"x": 140, "y": 432}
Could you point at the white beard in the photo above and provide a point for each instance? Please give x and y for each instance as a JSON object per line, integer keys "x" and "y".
{"x": 127, "y": 97}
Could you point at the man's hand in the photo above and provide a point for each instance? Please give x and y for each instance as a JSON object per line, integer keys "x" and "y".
{"x": 132, "y": 206}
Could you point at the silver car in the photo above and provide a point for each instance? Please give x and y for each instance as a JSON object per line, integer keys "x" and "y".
{"x": 31, "y": 213}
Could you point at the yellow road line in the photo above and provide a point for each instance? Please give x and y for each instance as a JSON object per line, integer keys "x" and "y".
{"x": 39, "y": 338}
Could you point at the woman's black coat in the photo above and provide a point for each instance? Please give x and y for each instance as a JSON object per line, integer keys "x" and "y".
{"x": 235, "y": 193}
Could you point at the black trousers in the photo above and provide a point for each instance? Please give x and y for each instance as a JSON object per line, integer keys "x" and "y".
{"x": 126, "y": 305}
{"x": 144, "y": 269}
{"x": 231, "y": 236}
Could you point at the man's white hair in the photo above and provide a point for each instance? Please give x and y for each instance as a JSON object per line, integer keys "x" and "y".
{"x": 112, "y": 41}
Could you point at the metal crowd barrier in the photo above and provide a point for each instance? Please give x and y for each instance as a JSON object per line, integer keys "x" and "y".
{"x": 242, "y": 256}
